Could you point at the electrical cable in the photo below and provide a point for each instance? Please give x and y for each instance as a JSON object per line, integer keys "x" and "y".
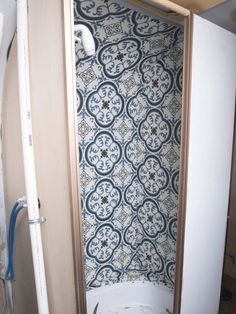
{"x": 8, "y": 274}
{"x": 19, "y": 205}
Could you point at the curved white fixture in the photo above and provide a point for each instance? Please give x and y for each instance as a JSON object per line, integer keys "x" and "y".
{"x": 136, "y": 297}
{"x": 86, "y": 39}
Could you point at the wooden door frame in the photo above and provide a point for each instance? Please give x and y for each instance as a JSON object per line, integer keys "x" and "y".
{"x": 76, "y": 220}
{"x": 184, "y": 152}
{"x": 75, "y": 205}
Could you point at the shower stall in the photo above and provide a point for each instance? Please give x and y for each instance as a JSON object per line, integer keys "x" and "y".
{"x": 129, "y": 123}
{"x": 149, "y": 127}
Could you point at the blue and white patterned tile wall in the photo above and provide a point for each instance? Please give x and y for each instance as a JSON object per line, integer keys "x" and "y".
{"x": 129, "y": 108}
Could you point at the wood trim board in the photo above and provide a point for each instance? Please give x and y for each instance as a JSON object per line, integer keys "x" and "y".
{"x": 170, "y": 6}
{"x": 154, "y": 10}
{"x": 185, "y": 118}
{"x": 77, "y": 233}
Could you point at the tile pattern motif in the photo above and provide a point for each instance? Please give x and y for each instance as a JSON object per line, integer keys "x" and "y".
{"x": 129, "y": 107}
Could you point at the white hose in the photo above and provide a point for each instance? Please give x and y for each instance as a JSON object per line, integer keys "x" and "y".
{"x": 86, "y": 39}
{"x": 28, "y": 156}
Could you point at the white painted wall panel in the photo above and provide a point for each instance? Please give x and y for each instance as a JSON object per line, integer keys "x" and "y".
{"x": 210, "y": 147}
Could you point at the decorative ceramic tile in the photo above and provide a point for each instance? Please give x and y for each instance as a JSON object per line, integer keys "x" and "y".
{"x": 129, "y": 109}
{"x": 113, "y": 29}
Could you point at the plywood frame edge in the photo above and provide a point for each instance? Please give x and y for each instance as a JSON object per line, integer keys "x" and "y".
{"x": 70, "y": 82}
{"x": 154, "y": 10}
{"x": 172, "y": 6}
{"x": 184, "y": 152}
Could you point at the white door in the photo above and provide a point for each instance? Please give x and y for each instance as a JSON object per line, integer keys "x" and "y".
{"x": 209, "y": 165}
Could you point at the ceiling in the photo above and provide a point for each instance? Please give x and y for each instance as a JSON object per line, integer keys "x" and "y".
{"x": 198, "y": 5}
{"x": 220, "y": 12}
{"x": 223, "y": 15}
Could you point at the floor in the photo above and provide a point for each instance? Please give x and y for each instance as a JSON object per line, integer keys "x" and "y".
{"x": 133, "y": 309}
{"x": 228, "y": 306}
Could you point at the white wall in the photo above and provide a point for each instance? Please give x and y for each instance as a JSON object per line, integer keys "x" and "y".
{"x": 210, "y": 147}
